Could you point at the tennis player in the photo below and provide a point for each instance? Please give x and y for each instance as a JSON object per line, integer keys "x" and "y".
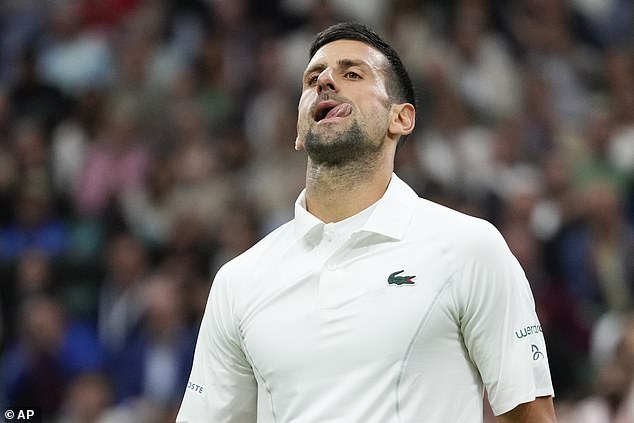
{"x": 372, "y": 305}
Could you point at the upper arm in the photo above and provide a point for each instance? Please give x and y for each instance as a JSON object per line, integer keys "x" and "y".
{"x": 498, "y": 322}
{"x": 222, "y": 387}
{"x": 541, "y": 410}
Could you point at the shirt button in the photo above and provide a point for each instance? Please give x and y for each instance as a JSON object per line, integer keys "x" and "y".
{"x": 328, "y": 236}
{"x": 331, "y": 266}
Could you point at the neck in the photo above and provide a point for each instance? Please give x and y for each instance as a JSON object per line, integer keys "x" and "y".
{"x": 334, "y": 193}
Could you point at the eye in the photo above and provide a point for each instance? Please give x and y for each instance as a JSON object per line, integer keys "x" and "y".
{"x": 352, "y": 75}
{"x": 311, "y": 80}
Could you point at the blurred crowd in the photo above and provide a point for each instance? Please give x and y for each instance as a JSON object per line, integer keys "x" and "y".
{"x": 143, "y": 143}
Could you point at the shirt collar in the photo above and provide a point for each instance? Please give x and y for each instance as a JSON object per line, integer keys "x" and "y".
{"x": 390, "y": 217}
{"x": 394, "y": 210}
{"x": 304, "y": 222}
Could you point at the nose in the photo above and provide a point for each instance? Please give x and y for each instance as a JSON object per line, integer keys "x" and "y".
{"x": 326, "y": 81}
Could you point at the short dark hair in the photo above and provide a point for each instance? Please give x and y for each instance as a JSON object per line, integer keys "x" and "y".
{"x": 397, "y": 82}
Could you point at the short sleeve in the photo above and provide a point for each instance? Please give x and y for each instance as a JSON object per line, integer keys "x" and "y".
{"x": 499, "y": 325}
{"x": 222, "y": 387}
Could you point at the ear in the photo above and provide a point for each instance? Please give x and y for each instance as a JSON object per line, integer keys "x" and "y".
{"x": 403, "y": 119}
{"x": 299, "y": 143}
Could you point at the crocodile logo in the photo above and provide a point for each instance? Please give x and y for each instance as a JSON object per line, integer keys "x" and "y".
{"x": 394, "y": 279}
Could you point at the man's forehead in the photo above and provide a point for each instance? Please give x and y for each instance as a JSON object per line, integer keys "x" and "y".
{"x": 335, "y": 51}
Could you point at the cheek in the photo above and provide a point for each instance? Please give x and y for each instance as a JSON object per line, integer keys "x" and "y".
{"x": 307, "y": 98}
{"x": 303, "y": 114}
{"x": 377, "y": 119}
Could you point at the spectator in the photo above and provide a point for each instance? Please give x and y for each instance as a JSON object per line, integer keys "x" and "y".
{"x": 71, "y": 58}
{"x": 478, "y": 64}
{"x": 118, "y": 161}
{"x": 455, "y": 152}
{"x": 34, "y": 99}
{"x": 120, "y": 296}
{"x": 595, "y": 256}
{"x": 71, "y": 139}
{"x": 613, "y": 400}
{"x": 87, "y": 399}
{"x": 48, "y": 352}
{"x": 34, "y": 228}
{"x": 154, "y": 365}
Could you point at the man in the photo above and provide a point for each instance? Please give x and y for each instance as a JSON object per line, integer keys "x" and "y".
{"x": 372, "y": 305}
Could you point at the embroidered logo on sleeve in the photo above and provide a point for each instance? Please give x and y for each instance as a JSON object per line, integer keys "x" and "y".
{"x": 528, "y": 330}
{"x": 199, "y": 389}
{"x": 393, "y": 279}
{"x": 537, "y": 354}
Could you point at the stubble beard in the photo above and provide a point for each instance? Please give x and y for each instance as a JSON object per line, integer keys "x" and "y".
{"x": 350, "y": 148}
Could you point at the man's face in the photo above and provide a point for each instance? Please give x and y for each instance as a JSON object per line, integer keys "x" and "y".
{"x": 344, "y": 110}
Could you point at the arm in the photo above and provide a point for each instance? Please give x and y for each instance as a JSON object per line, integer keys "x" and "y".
{"x": 500, "y": 329}
{"x": 222, "y": 386}
{"x": 541, "y": 410}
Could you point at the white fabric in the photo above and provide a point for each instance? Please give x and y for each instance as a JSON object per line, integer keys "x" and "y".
{"x": 301, "y": 329}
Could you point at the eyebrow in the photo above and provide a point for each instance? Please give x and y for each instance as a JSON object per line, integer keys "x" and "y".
{"x": 343, "y": 63}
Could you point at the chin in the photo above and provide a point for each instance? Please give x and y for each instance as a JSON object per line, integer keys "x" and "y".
{"x": 340, "y": 146}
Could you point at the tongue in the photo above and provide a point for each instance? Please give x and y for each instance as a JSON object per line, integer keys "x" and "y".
{"x": 341, "y": 110}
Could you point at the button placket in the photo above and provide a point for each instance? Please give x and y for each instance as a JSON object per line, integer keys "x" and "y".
{"x": 328, "y": 287}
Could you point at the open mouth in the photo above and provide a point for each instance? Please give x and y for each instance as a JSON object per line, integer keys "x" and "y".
{"x": 331, "y": 109}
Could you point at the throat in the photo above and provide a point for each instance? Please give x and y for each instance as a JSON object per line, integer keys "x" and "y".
{"x": 334, "y": 194}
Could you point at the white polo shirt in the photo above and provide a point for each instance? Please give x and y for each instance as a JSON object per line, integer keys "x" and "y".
{"x": 401, "y": 314}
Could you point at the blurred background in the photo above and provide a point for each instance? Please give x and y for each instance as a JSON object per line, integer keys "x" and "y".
{"x": 143, "y": 143}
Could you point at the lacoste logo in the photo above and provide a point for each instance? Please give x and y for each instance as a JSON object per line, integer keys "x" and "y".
{"x": 394, "y": 279}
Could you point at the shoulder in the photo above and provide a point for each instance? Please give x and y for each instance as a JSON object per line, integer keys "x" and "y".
{"x": 242, "y": 279}
{"x": 266, "y": 251}
{"x": 457, "y": 231}
{"x": 468, "y": 245}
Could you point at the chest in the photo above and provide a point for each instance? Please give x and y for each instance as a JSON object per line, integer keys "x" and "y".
{"x": 333, "y": 310}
